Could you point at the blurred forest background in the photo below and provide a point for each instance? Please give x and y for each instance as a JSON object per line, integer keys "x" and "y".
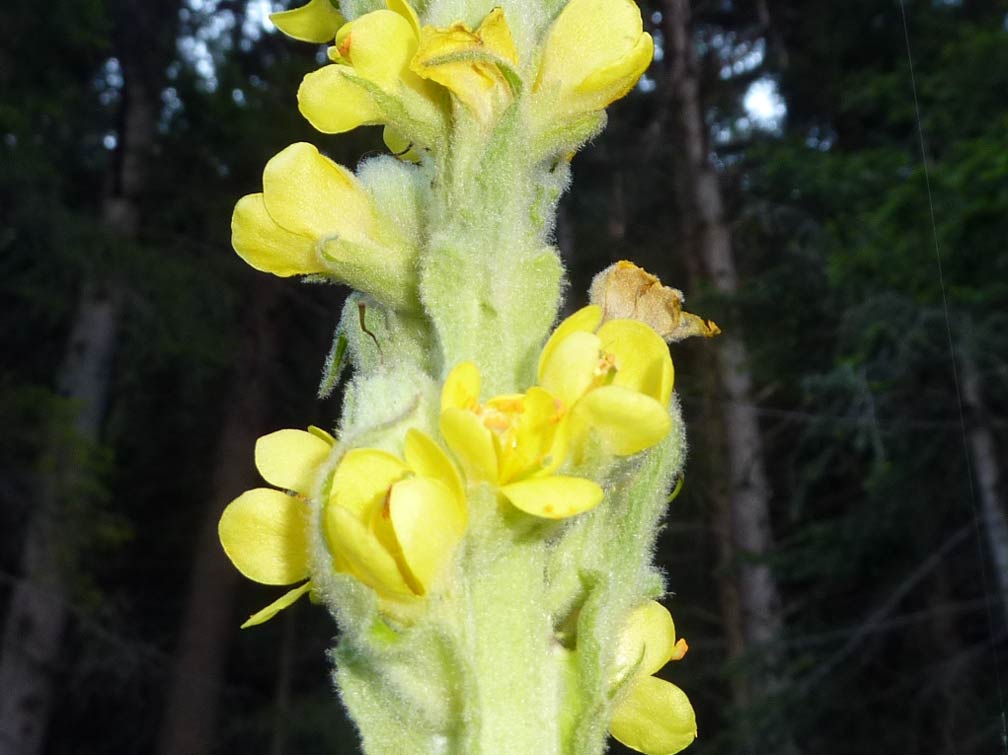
{"x": 839, "y": 553}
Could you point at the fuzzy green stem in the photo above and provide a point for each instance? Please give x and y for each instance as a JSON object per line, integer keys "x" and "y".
{"x": 489, "y": 281}
{"x": 508, "y": 639}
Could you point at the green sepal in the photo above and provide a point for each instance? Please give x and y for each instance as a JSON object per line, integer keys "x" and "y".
{"x": 332, "y": 370}
{"x": 568, "y": 137}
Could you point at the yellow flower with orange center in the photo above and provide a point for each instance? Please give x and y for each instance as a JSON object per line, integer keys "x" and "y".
{"x": 614, "y": 382}
{"x": 652, "y": 716}
{"x": 510, "y": 442}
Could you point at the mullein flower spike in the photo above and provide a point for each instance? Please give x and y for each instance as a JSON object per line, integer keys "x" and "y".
{"x": 484, "y": 525}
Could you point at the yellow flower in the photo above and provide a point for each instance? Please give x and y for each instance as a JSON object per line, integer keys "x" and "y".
{"x": 510, "y": 442}
{"x": 313, "y": 216}
{"x": 394, "y": 524}
{"x": 594, "y": 53}
{"x": 371, "y": 81}
{"x": 265, "y": 531}
{"x": 652, "y": 716}
{"x": 475, "y": 66}
{"x": 384, "y": 66}
{"x": 317, "y": 21}
{"x": 615, "y": 381}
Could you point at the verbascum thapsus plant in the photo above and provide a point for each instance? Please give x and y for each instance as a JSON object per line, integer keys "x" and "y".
{"x": 481, "y": 522}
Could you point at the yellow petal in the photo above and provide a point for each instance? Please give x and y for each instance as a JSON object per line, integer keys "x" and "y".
{"x": 594, "y": 53}
{"x": 317, "y": 21}
{"x": 265, "y": 534}
{"x": 471, "y": 65}
{"x": 285, "y": 601}
{"x": 553, "y": 497}
{"x": 647, "y": 642}
{"x": 571, "y": 367}
{"x": 362, "y": 480}
{"x": 625, "y": 420}
{"x": 533, "y": 435}
{"x": 309, "y": 194}
{"x": 642, "y": 358}
{"x": 362, "y": 554}
{"x": 655, "y": 718}
{"x": 290, "y": 459}
{"x": 610, "y": 83}
{"x": 379, "y": 46}
{"x": 266, "y": 246}
{"x": 471, "y": 443}
{"x": 496, "y": 36}
{"x": 586, "y": 319}
{"x": 426, "y": 459}
{"x": 405, "y": 10}
{"x": 427, "y": 525}
{"x": 333, "y": 102}
{"x": 462, "y": 387}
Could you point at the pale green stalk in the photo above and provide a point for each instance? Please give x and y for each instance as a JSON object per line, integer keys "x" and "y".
{"x": 512, "y": 647}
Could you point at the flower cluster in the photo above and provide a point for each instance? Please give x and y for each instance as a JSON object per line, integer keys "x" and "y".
{"x": 393, "y": 523}
{"x": 388, "y": 69}
{"x": 314, "y": 217}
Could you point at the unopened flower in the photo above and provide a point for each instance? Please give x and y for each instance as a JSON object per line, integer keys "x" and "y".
{"x": 652, "y": 716}
{"x": 614, "y": 381}
{"x": 265, "y": 531}
{"x": 511, "y": 442}
{"x": 594, "y": 53}
{"x": 394, "y": 524}
{"x": 317, "y": 21}
{"x": 313, "y": 216}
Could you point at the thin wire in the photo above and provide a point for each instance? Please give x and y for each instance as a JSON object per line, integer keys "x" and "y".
{"x": 955, "y": 378}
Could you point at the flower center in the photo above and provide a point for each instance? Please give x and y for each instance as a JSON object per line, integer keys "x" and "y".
{"x": 605, "y": 370}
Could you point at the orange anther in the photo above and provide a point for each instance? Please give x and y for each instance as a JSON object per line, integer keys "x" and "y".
{"x": 679, "y": 650}
{"x": 344, "y": 46}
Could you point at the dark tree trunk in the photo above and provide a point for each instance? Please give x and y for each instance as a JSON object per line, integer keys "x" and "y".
{"x": 743, "y": 519}
{"x": 209, "y": 623}
{"x": 40, "y": 604}
{"x": 39, "y": 607}
{"x": 987, "y": 475}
